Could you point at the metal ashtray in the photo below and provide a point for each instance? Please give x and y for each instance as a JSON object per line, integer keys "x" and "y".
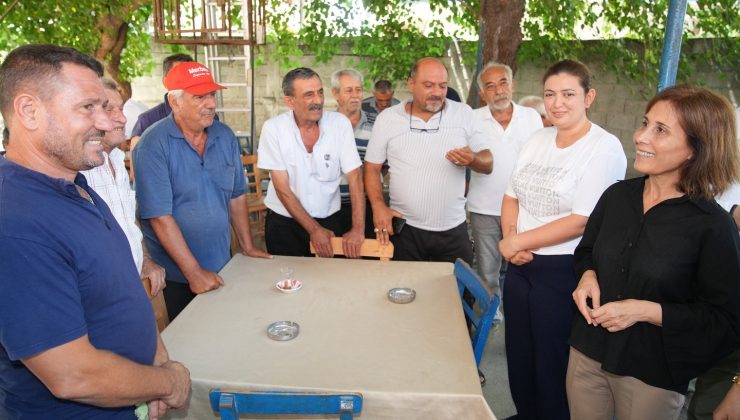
{"x": 283, "y": 330}
{"x": 401, "y": 295}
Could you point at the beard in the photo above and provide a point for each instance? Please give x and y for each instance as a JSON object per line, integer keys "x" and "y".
{"x": 500, "y": 103}
{"x": 61, "y": 147}
{"x": 431, "y": 106}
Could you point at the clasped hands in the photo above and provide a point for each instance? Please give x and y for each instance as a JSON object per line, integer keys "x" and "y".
{"x": 614, "y": 316}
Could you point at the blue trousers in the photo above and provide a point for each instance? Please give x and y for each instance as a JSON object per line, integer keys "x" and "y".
{"x": 539, "y": 311}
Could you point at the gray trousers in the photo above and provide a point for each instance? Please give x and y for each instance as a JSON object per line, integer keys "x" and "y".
{"x": 487, "y": 234}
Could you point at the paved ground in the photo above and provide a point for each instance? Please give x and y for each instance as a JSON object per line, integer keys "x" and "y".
{"x": 493, "y": 365}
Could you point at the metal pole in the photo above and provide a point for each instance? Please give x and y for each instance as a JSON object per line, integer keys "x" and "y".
{"x": 672, "y": 44}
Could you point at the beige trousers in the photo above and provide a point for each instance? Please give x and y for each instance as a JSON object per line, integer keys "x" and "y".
{"x": 594, "y": 394}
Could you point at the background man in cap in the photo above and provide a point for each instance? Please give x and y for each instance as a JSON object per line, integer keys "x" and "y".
{"x": 77, "y": 332}
{"x": 190, "y": 187}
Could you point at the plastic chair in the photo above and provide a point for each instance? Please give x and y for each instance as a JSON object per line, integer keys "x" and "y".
{"x": 370, "y": 248}
{"x": 230, "y": 403}
{"x": 467, "y": 279}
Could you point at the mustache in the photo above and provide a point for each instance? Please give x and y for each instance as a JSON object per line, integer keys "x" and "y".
{"x": 435, "y": 98}
{"x": 315, "y": 107}
{"x": 501, "y": 97}
{"x": 96, "y": 133}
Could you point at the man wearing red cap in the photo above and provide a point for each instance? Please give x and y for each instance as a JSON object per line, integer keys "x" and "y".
{"x": 190, "y": 188}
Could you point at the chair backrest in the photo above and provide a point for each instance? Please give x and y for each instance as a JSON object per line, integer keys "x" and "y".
{"x": 160, "y": 309}
{"x": 370, "y": 248}
{"x": 230, "y": 403}
{"x": 467, "y": 279}
{"x": 253, "y": 176}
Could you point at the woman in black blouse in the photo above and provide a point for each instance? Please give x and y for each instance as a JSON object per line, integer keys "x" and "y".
{"x": 659, "y": 265}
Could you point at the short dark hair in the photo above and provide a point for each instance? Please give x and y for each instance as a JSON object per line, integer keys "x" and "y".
{"x": 170, "y": 62}
{"x": 383, "y": 86}
{"x": 36, "y": 67}
{"x": 708, "y": 121}
{"x": 572, "y": 67}
{"x": 299, "y": 73}
{"x": 6, "y": 137}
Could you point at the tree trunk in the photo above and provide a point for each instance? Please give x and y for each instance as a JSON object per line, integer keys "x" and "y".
{"x": 501, "y": 34}
{"x": 114, "y": 31}
{"x": 113, "y": 34}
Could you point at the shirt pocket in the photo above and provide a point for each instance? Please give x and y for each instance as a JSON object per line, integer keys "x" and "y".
{"x": 223, "y": 177}
{"x": 326, "y": 167}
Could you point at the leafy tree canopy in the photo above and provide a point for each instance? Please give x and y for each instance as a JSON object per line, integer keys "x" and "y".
{"x": 390, "y": 35}
{"x": 113, "y": 31}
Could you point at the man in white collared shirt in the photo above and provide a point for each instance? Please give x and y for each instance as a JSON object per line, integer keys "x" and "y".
{"x": 306, "y": 151}
{"x": 507, "y": 127}
{"x": 111, "y": 181}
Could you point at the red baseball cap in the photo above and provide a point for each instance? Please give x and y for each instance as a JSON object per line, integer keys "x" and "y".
{"x": 192, "y": 77}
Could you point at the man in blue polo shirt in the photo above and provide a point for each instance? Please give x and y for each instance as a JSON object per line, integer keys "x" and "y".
{"x": 77, "y": 333}
{"x": 190, "y": 187}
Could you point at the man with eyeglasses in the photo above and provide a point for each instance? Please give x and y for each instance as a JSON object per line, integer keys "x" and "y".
{"x": 428, "y": 142}
{"x": 306, "y": 151}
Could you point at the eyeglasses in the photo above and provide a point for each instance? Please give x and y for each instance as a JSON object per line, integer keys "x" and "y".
{"x": 423, "y": 130}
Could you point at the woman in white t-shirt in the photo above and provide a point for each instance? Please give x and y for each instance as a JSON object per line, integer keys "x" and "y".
{"x": 559, "y": 176}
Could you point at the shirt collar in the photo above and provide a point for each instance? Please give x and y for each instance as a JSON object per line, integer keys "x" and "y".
{"x": 703, "y": 205}
{"x": 8, "y": 167}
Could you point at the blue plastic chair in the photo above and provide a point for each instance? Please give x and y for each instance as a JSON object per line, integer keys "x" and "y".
{"x": 467, "y": 279}
{"x": 231, "y": 403}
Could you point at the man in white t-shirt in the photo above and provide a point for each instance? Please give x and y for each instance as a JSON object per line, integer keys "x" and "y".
{"x": 428, "y": 142}
{"x": 111, "y": 181}
{"x": 306, "y": 151}
{"x": 507, "y": 126}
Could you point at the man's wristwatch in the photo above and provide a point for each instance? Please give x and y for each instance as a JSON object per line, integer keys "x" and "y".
{"x": 736, "y": 379}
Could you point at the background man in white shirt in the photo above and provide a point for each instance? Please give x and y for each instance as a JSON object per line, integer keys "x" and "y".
{"x": 507, "y": 126}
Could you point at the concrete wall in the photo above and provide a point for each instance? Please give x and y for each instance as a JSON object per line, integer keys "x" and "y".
{"x": 618, "y": 108}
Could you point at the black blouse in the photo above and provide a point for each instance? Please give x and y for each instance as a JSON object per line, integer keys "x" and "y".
{"x": 683, "y": 254}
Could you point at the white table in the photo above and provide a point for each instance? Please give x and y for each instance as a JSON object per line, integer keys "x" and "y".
{"x": 409, "y": 361}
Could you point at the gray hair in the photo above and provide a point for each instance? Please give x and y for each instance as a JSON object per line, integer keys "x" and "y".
{"x": 176, "y": 93}
{"x": 345, "y": 72}
{"x": 299, "y": 73}
{"x": 383, "y": 86}
{"x": 534, "y": 102}
{"x": 496, "y": 65}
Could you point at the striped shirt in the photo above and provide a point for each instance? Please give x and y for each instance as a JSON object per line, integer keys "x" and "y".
{"x": 426, "y": 188}
{"x": 362, "y": 136}
{"x": 120, "y": 198}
